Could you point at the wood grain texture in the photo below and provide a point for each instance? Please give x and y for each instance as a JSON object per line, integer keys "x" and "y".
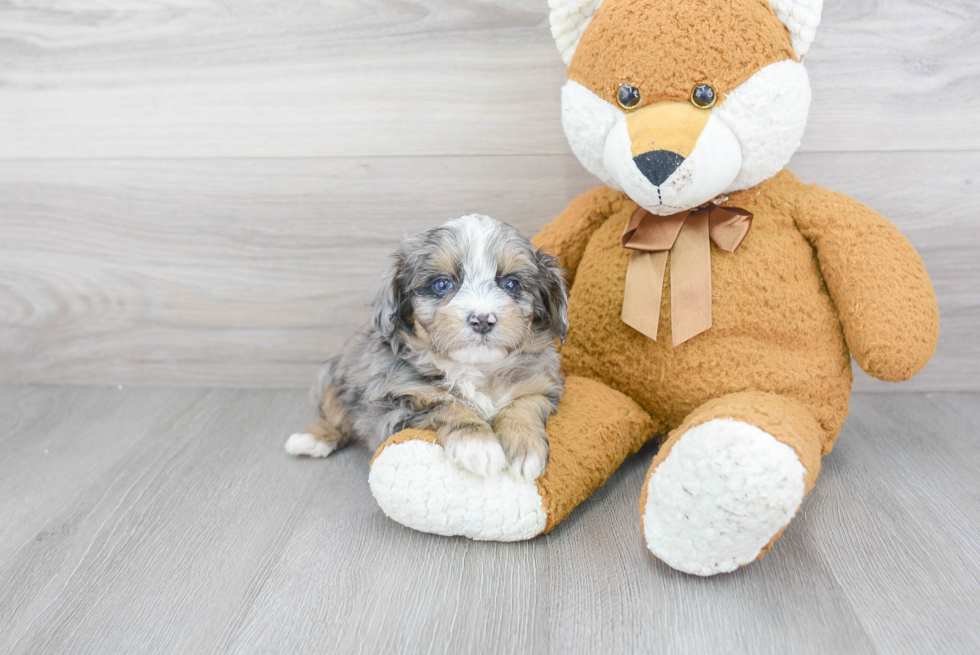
{"x": 54, "y": 447}
{"x": 249, "y": 273}
{"x": 177, "y": 524}
{"x": 201, "y": 193}
{"x": 174, "y": 271}
{"x": 202, "y": 78}
{"x": 903, "y": 473}
{"x": 162, "y": 547}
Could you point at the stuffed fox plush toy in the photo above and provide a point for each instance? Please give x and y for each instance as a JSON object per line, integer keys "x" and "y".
{"x": 715, "y": 299}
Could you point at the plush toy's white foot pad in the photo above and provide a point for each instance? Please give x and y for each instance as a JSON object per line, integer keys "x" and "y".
{"x": 418, "y": 486}
{"x": 724, "y": 491}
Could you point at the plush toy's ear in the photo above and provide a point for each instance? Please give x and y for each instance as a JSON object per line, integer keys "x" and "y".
{"x": 801, "y": 18}
{"x": 569, "y": 19}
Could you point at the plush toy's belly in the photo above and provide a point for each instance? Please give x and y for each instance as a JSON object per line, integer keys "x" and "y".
{"x": 775, "y": 327}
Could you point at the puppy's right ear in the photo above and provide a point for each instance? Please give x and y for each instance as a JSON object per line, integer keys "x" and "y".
{"x": 388, "y": 299}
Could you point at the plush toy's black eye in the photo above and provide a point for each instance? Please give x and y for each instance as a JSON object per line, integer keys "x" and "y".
{"x": 442, "y": 286}
{"x": 703, "y": 96}
{"x": 511, "y": 285}
{"x": 628, "y": 96}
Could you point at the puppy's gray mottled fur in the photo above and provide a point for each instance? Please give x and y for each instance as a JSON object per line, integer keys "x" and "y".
{"x": 462, "y": 342}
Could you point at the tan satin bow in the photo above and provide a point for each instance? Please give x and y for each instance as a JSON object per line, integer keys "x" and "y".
{"x": 687, "y": 237}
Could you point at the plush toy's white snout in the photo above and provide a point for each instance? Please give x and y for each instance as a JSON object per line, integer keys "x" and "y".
{"x": 747, "y": 138}
{"x": 664, "y": 181}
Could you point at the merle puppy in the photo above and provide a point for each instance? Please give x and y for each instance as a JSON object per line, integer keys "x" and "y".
{"x": 462, "y": 342}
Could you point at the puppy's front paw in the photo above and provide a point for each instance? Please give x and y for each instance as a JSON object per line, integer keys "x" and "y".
{"x": 305, "y": 443}
{"x": 526, "y": 447}
{"x": 474, "y": 447}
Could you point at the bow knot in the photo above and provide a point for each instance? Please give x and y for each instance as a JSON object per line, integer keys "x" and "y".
{"x": 687, "y": 236}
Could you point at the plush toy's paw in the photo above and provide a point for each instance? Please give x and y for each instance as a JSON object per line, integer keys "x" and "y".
{"x": 475, "y": 448}
{"x": 724, "y": 492}
{"x": 418, "y": 485}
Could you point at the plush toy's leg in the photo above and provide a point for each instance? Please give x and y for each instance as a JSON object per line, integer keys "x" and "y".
{"x": 728, "y": 481}
{"x": 594, "y": 430}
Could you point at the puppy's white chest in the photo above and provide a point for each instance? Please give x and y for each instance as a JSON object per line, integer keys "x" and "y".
{"x": 485, "y": 406}
{"x": 471, "y": 384}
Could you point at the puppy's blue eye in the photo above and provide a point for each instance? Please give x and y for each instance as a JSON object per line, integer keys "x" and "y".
{"x": 442, "y": 286}
{"x": 511, "y": 285}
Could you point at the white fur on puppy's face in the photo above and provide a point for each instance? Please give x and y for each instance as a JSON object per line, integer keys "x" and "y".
{"x": 480, "y": 293}
{"x": 749, "y": 137}
{"x": 478, "y": 258}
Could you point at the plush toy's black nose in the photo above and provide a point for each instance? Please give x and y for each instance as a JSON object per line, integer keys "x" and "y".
{"x": 658, "y": 165}
{"x": 482, "y": 323}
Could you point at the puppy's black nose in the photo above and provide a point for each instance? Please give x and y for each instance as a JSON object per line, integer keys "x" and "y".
{"x": 482, "y": 323}
{"x": 659, "y": 165}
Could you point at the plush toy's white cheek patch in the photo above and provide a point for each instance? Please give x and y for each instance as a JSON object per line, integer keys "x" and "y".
{"x": 767, "y": 114}
{"x": 712, "y": 166}
{"x": 587, "y": 120}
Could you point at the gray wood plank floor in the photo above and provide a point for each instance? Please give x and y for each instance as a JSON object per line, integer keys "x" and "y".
{"x": 169, "y": 520}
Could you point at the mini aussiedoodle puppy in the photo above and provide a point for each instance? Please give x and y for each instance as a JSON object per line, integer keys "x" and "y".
{"x": 462, "y": 342}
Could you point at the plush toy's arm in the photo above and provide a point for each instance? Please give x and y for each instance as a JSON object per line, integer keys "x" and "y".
{"x": 566, "y": 236}
{"x": 877, "y": 281}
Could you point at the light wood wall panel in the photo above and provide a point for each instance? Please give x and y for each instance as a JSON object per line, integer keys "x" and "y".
{"x": 198, "y": 192}
{"x": 250, "y": 272}
{"x": 311, "y": 78}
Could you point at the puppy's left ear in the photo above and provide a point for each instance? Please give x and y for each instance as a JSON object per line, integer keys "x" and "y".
{"x": 553, "y": 298}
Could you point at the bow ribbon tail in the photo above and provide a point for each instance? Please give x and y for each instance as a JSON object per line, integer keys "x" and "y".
{"x": 690, "y": 279}
{"x": 644, "y": 291}
{"x": 687, "y": 237}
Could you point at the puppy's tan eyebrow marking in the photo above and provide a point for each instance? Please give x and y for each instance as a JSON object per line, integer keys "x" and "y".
{"x": 513, "y": 261}
{"x": 444, "y": 262}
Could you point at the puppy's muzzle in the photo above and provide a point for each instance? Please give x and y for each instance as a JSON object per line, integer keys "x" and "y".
{"x": 482, "y": 323}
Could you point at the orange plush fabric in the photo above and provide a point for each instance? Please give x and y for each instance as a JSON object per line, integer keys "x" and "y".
{"x": 594, "y": 430}
{"x": 776, "y": 325}
{"x": 817, "y": 272}
{"x": 881, "y": 289}
{"x": 735, "y": 37}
